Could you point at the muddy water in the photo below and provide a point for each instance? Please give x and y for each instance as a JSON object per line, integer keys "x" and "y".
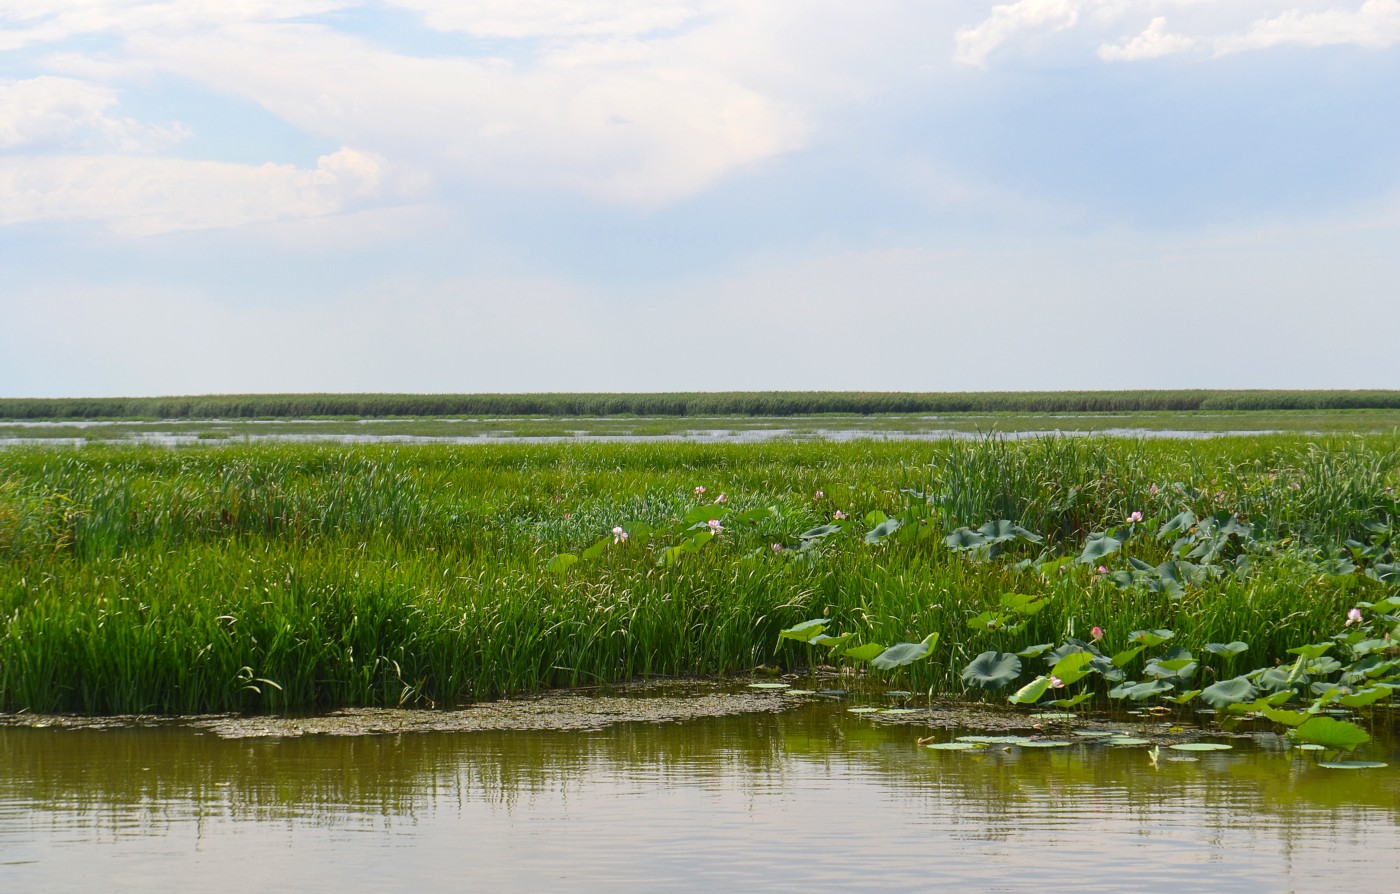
{"x": 810, "y": 799}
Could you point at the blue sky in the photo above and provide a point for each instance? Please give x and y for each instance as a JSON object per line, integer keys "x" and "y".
{"x": 516, "y": 195}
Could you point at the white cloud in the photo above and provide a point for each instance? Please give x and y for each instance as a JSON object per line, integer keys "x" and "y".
{"x": 1375, "y": 25}
{"x": 975, "y": 44}
{"x": 63, "y": 113}
{"x": 1219, "y": 27}
{"x": 553, "y": 18}
{"x": 1156, "y": 41}
{"x": 144, "y": 196}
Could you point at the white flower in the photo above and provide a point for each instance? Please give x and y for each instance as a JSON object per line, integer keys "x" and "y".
{"x": 619, "y": 535}
{"x": 839, "y": 515}
{"x": 700, "y": 490}
{"x": 715, "y": 526}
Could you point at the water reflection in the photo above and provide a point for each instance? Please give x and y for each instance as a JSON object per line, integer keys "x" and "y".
{"x": 810, "y": 800}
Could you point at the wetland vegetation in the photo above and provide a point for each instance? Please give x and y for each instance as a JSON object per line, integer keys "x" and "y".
{"x": 298, "y": 577}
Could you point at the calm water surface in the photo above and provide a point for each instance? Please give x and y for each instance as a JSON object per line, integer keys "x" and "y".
{"x": 815, "y": 799}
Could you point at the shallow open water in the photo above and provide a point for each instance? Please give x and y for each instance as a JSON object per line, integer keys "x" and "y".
{"x": 814, "y": 799}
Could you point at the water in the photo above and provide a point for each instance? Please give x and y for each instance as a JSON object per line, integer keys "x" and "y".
{"x": 814, "y": 799}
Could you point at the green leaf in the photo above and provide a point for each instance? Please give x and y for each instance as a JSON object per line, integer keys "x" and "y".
{"x": 1072, "y": 668}
{"x": 806, "y": 631}
{"x": 1278, "y": 715}
{"x": 992, "y": 670}
{"x": 1313, "y": 652}
{"x": 990, "y": 621}
{"x": 900, "y": 654}
{"x": 1031, "y": 692}
{"x": 1201, "y": 746}
{"x": 1127, "y": 655}
{"x": 561, "y": 563}
{"x": 1001, "y": 531}
{"x": 1023, "y": 603}
{"x": 1183, "y": 523}
{"x": 1228, "y": 692}
{"x": 1035, "y": 651}
{"x": 865, "y": 652}
{"x": 1184, "y": 697}
{"x": 1330, "y": 733}
{"x": 1098, "y": 546}
{"x": 1140, "y": 691}
{"x": 875, "y": 517}
{"x": 964, "y": 539}
{"x": 596, "y": 549}
{"x": 1229, "y": 649}
{"x": 1071, "y": 701}
{"x": 1364, "y": 697}
{"x": 820, "y": 532}
{"x": 831, "y": 642}
{"x": 1149, "y": 638}
{"x": 882, "y": 530}
{"x": 702, "y": 514}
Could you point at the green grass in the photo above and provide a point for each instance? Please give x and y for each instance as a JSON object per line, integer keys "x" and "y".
{"x": 754, "y": 403}
{"x": 145, "y": 580}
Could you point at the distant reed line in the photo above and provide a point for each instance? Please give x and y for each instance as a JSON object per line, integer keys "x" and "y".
{"x": 728, "y": 403}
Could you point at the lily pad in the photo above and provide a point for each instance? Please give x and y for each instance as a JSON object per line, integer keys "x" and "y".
{"x": 1233, "y": 648}
{"x": 1053, "y": 715}
{"x": 995, "y": 740}
{"x": 770, "y": 686}
{"x": 955, "y": 746}
{"x": 800, "y": 692}
{"x": 1352, "y": 765}
{"x": 1308, "y": 746}
{"x": 1044, "y": 743}
{"x": 861, "y": 710}
{"x": 900, "y": 711}
{"x": 1126, "y": 741}
{"x": 1094, "y": 733}
{"x": 1201, "y": 746}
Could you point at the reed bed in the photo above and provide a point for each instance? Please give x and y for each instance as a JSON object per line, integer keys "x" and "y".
{"x": 296, "y": 577}
{"x": 731, "y": 403}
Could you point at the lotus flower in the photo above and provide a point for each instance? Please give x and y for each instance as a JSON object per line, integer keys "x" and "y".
{"x": 838, "y": 515}
{"x": 1134, "y": 517}
{"x": 1353, "y": 617}
{"x": 715, "y": 526}
{"x": 1096, "y": 633}
{"x": 721, "y": 499}
{"x": 818, "y": 496}
{"x": 619, "y": 535}
{"x": 700, "y": 490}
{"x": 1056, "y": 682}
{"x": 777, "y": 547}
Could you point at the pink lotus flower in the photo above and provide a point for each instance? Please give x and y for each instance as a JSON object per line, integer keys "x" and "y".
{"x": 721, "y": 499}
{"x": 715, "y": 526}
{"x": 1134, "y": 517}
{"x": 1353, "y": 617}
{"x": 1056, "y": 682}
{"x": 839, "y": 515}
{"x": 619, "y": 535}
{"x": 1102, "y": 569}
{"x": 777, "y": 547}
{"x": 818, "y": 495}
{"x": 700, "y": 490}
{"x": 1096, "y": 633}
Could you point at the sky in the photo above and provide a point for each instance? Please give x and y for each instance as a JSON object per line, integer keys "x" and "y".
{"x": 230, "y": 196}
